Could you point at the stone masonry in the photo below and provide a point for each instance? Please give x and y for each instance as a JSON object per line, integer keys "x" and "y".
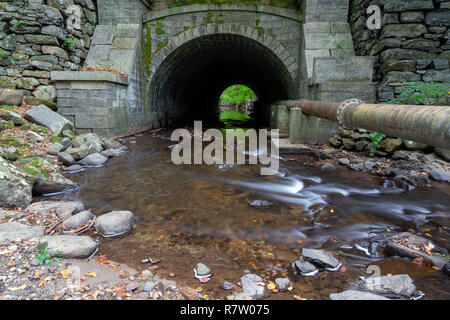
{"x": 35, "y": 39}
{"x": 413, "y": 44}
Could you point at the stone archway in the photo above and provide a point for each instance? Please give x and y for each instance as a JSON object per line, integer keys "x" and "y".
{"x": 189, "y": 73}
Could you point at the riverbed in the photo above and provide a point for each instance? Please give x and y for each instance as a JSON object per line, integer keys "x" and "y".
{"x": 197, "y": 213}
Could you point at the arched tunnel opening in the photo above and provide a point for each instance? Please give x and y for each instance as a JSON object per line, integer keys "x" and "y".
{"x": 188, "y": 84}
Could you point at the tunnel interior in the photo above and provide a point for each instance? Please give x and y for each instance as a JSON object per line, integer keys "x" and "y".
{"x": 188, "y": 84}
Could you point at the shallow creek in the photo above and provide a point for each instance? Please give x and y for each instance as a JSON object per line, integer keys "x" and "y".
{"x": 190, "y": 214}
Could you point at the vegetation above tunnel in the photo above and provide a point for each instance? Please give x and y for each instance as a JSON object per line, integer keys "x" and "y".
{"x": 287, "y": 4}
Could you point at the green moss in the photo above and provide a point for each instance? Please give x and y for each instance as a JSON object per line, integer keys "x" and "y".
{"x": 147, "y": 45}
{"x": 289, "y": 4}
{"x": 25, "y": 127}
{"x": 40, "y": 129}
{"x": 159, "y": 31}
{"x": 8, "y": 107}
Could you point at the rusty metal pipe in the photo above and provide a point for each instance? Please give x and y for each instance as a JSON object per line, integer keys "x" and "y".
{"x": 425, "y": 124}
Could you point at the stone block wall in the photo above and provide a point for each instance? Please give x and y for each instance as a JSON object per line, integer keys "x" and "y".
{"x": 35, "y": 39}
{"x": 164, "y": 4}
{"x": 413, "y": 44}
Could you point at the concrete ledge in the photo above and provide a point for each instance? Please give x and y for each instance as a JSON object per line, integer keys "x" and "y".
{"x": 89, "y": 76}
{"x": 286, "y": 13}
{"x": 347, "y": 69}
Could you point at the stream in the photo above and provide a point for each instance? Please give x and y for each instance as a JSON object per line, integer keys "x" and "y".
{"x": 199, "y": 213}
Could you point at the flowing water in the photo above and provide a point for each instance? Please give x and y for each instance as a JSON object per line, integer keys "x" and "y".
{"x": 199, "y": 213}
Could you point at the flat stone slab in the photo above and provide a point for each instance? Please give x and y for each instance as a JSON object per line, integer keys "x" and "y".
{"x": 356, "y": 295}
{"x": 70, "y": 247}
{"x": 63, "y": 209}
{"x": 46, "y": 117}
{"x": 356, "y": 69}
{"x": 14, "y": 231}
{"x": 304, "y": 267}
{"x": 89, "y": 76}
{"x": 395, "y": 286}
{"x": 320, "y": 257}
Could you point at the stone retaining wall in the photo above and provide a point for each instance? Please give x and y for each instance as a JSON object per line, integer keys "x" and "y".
{"x": 35, "y": 39}
{"x": 413, "y": 44}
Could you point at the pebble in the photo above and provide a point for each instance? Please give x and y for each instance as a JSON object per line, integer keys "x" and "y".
{"x": 228, "y": 285}
{"x": 283, "y": 283}
{"x": 149, "y": 286}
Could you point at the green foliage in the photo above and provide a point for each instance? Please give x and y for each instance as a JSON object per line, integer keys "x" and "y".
{"x": 234, "y": 119}
{"x": 17, "y": 24}
{"x": 44, "y": 256}
{"x": 376, "y": 139}
{"x": 69, "y": 42}
{"x": 237, "y": 95}
{"x": 5, "y": 55}
{"x": 422, "y": 93}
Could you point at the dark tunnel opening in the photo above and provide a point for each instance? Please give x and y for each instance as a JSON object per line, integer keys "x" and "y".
{"x": 188, "y": 84}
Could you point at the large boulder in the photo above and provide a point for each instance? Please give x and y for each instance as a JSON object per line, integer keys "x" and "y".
{"x": 46, "y": 180}
{"x": 13, "y": 231}
{"x": 69, "y": 247}
{"x": 45, "y": 93}
{"x": 10, "y": 97}
{"x": 443, "y": 153}
{"x": 63, "y": 209}
{"x": 90, "y": 140}
{"x": 114, "y": 223}
{"x": 15, "y": 190}
{"x": 44, "y": 116}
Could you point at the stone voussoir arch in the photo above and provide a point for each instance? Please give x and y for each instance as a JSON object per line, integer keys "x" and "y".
{"x": 286, "y": 58}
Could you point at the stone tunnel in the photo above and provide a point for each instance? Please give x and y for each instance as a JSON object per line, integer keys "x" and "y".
{"x": 156, "y": 68}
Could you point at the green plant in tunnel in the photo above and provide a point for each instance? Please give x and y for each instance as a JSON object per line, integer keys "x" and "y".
{"x": 234, "y": 119}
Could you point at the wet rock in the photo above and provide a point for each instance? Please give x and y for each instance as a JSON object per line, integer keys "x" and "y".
{"x": 446, "y": 269}
{"x": 15, "y": 190}
{"x": 202, "y": 270}
{"x": 189, "y": 293}
{"x": 251, "y": 286}
{"x": 328, "y": 166}
{"x": 12, "y": 116}
{"x": 74, "y": 168}
{"x": 390, "y": 286}
{"x": 113, "y": 153}
{"x": 63, "y": 209}
{"x": 132, "y": 286}
{"x": 66, "y": 158}
{"x": 361, "y": 145}
{"x": 80, "y": 219}
{"x": 408, "y": 245}
{"x": 78, "y": 153}
{"x": 149, "y": 286}
{"x": 440, "y": 175}
{"x": 44, "y": 116}
{"x": 391, "y": 144}
{"x": 443, "y": 153}
{"x": 415, "y": 146}
{"x": 89, "y": 140}
{"x": 111, "y": 144}
{"x": 356, "y": 295}
{"x": 304, "y": 267}
{"x": 349, "y": 144}
{"x": 346, "y": 133}
{"x": 282, "y": 284}
{"x": 10, "y": 97}
{"x": 260, "y": 203}
{"x": 335, "y": 142}
{"x": 54, "y": 183}
{"x": 240, "y": 296}
{"x": 407, "y": 155}
{"x": 94, "y": 160}
{"x": 320, "y": 258}
{"x": 13, "y": 231}
{"x": 114, "y": 223}
{"x": 344, "y": 161}
{"x": 228, "y": 286}
{"x": 70, "y": 247}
